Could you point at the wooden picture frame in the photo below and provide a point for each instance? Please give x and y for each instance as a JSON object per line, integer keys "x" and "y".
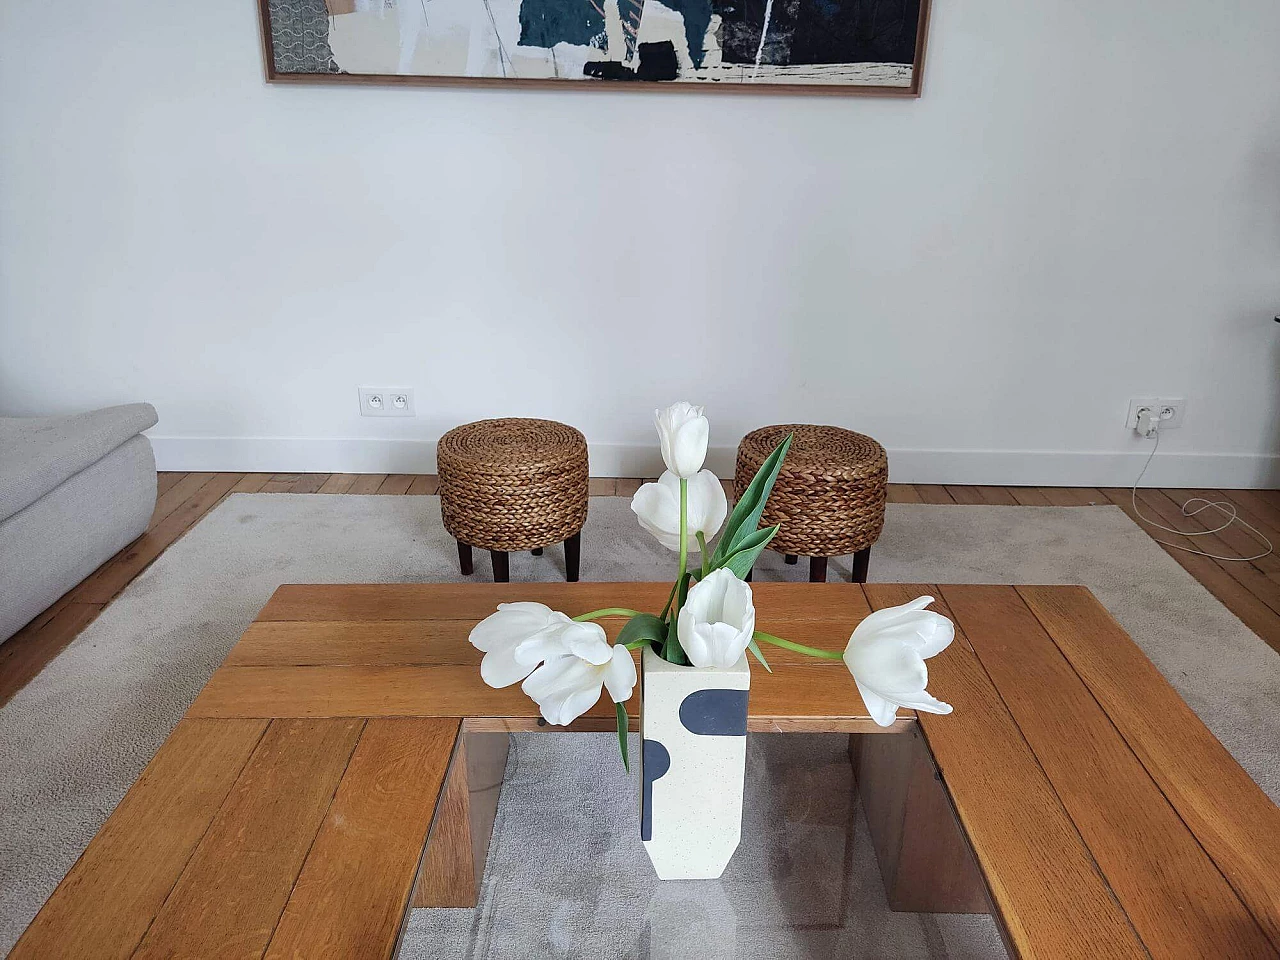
{"x": 292, "y": 34}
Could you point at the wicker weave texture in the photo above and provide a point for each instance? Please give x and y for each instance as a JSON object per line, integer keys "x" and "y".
{"x": 513, "y": 484}
{"x": 830, "y": 494}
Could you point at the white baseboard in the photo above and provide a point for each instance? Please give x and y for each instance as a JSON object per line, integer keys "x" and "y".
{"x": 1089, "y": 468}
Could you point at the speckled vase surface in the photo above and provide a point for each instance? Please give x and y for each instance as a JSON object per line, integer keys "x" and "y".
{"x": 693, "y": 727}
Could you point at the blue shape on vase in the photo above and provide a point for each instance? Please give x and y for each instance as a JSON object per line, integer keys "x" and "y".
{"x": 715, "y": 713}
{"x": 655, "y": 762}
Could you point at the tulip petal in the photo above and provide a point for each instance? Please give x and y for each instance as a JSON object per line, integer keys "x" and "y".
{"x": 544, "y": 644}
{"x": 717, "y": 645}
{"x": 880, "y": 619}
{"x": 738, "y": 608}
{"x": 588, "y": 641}
{"x": 689, "y": 447}
{"x": 708, "y": 505}
{"x": 657, "y": 506}
{"x": 926, "y": 702}
{"x": 564, "y": 688}
{"x": 499, "y": 668}
{"x": 511, "y": 622}
{"x": 925, "y": 632}
{"x": 572, "y": 706}
{"x": 934, "y": 635}
{"x": 620, "y": 675}
{"x": 891, "y": 668}
{"x": 882, "y": 711}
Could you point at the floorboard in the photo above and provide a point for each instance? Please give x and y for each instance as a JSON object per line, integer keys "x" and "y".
{"x": 933, "y": 493}
{"x": 1028, "y": 497}
{"x": 337, "y": 483}
{"x": 1250, "y": 590}
{"x": 166, "y": 480}
{"x": 903, "y": 493}
{"x": 309, "y": 483}
{"x": 396, "y": 484}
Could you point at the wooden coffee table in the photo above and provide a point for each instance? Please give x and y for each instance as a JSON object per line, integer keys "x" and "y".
{"x": 345, "y": 762}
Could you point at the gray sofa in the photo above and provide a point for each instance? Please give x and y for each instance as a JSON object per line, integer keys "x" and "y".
{"x": 73, "y": 491}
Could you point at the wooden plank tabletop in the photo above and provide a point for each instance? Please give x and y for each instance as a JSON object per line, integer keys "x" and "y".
{"x": 297, "y": 838}
{"x": 287, "y": 813}
{"x": 1177, "y": 899}
{"x": 401, "y": 650}
{"x": 1042, "y": 877}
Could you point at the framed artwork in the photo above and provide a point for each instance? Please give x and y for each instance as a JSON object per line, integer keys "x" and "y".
{"x": 817, "y": 46}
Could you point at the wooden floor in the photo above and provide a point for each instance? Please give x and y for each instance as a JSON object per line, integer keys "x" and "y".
{"x": 1250, "y": 590}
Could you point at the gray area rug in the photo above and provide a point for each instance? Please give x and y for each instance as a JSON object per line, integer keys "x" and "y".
{"x": 566, "y": 875}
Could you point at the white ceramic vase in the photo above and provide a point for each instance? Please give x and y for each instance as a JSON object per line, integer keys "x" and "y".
{"x": 693, "y": 728}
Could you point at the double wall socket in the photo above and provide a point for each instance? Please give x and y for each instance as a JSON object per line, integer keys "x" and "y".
{"x": 1157, "y": 405}
{"x": 386, "y": 402}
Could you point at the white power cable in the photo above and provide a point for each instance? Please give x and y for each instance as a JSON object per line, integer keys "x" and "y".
{"x": 1227, "y": 509}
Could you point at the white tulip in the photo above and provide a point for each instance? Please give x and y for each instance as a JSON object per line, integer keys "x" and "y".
{"x": 717, "y": 620}
{"x": 501, "y": 635}
{"x": 886, "y": 656}
{"x": 657, "y": 505}
{"x": 566, "y": 687}
{"x": 683, "y": 431}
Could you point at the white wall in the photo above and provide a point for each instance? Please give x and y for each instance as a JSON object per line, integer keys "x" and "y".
{"x": 1083, "y": 207}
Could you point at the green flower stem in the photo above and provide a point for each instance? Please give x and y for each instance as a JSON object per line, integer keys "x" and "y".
{"x": 607, "y": 612}
{"x": 666, "y": 608}
{"x": 638, "y": 643}
{"x": 684, "y": 535}
{"x": 799, "y": 647}
{"x": 672, "y": 644}
{"x": 702, "y": 551}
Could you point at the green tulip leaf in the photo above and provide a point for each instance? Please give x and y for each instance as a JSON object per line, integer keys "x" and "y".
{"x": 755, "y": 648}
{"x": 745, "y": 518}
{"x": 622, "y": 735}
{"x": 671, "y": 651}
{"x": 643, "y": 627}
{"x": 744, "y": 558}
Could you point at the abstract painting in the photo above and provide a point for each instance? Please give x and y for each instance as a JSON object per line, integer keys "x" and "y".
{"x": 834, "y": 46}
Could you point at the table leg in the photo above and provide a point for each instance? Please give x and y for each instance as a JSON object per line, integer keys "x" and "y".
{"x": 925, "y": 861}
{"x": 453, "y": 864}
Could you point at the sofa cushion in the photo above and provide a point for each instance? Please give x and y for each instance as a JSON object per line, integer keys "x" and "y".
{"x": 39, "y": 453}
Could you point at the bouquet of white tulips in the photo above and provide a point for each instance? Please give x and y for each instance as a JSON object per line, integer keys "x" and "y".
{"x": 708, "y": 619}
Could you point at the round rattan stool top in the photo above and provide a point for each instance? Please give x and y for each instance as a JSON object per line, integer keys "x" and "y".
{"x": 830, "y": 494}
{"x": 513, "y": 484}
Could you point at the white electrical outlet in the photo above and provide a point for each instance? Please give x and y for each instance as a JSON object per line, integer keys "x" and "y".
{"x": 386, "y": 402}
{"x": 1168, "y": 410}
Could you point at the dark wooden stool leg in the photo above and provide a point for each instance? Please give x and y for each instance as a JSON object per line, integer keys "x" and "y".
{"x": 817, "y": 569}
{"x": 572, "y": 557}
{"x": 747, "y": 578}
{"x": 790, "y": 558}
{"x": 537, "y": 551}
{"x": 861, "y": 560}
{"x": 501, "y": 566}
{"x": 464, "y": 558}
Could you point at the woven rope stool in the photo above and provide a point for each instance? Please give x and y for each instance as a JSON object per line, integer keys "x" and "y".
{"x": 514, "y": 484}
{"x": 830, "y": 494}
